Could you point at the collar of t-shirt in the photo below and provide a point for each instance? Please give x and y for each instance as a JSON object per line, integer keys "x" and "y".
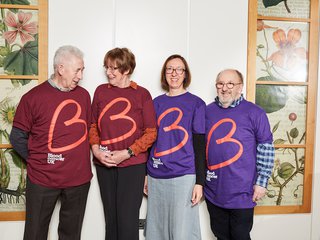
{"x": 133, "y": 85}
{"x": 52, "y": 83}
{"x": 233, "y": 104}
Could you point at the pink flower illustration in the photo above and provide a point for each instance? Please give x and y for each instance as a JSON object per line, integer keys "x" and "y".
{"x": 20, "y": 27}
{"x": 288, "y": 55}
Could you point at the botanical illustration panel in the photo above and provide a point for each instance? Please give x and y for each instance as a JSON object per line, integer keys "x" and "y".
{"x": 286, "y": 111}
{"x": 11, "y": 93}
{"x": 285, "y": 186}
{"x": 284, "y": 8}
{"x": 18, "y": 42}
{"x": 282, "y": 51}
{"x": 12, "y": 181}
{"x": 20, "y": 2}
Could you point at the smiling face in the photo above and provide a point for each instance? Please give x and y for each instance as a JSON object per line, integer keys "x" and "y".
{"x": 71, "y": 72}
{"x": 227, "y": 79}
{"x": 114, "y": 75}
{"x": 175, "y": 74}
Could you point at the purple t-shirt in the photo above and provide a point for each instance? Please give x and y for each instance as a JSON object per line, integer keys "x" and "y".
{"x": 232, "y": 136}
{"x": 178, "y": 117}
{"x": 57, "y": 123}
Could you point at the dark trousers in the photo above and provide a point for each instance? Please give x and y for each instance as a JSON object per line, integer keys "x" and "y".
{"x": 121, "y": 191}
{"x": 230, "y": 224}
{"x": 40, "y": 203}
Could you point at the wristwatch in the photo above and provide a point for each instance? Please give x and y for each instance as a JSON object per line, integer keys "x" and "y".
{"x": 131, "y": 153}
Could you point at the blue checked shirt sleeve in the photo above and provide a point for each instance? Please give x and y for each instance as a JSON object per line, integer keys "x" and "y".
{"x": 265, "y": 159}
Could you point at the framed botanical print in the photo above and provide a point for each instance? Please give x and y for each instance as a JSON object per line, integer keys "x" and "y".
{"x": 23, "y": 64}
{"x": 282, "y": 79}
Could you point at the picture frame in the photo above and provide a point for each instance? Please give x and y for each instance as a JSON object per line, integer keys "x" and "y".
{"x": 282, "y": 78}
{"x": 23, "y": 65}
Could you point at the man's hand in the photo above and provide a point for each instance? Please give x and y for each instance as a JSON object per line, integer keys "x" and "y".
{"x": 258, "y": 193}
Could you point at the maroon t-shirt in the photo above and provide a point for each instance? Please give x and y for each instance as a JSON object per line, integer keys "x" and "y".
{"x": 122, "y": 115}
{"x": 57, "y": 123}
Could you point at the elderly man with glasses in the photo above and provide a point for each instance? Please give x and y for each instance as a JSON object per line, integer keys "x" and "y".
{"x": 240, "y": 155}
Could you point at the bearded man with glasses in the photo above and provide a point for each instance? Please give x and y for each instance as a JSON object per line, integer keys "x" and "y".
{"x": 240, "y": 156}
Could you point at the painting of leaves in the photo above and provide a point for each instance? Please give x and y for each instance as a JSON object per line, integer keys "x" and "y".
{"x": 285, "y": 186}
{"x": 12, "y": 181}
{"x": 19, "y": 42}
{"x": 286, "y": 110}
{"x": 20, "y": 2}
{"x": 284, "y": 8}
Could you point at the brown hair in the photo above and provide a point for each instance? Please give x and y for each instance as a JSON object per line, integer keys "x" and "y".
{"x": 123, "y": 58}
{"x": 187, "y": 79}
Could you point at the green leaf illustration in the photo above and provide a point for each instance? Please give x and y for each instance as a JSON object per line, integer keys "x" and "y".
{"x": 270, "y": 3}
{"x": 23, "y": 61}
{"x": 17, "y": 82}
{"x": 18, "y": 2}
{"x": 275, "y": 127}
{"x": 271, "y": 97}
{"x": 286, "y": 169}
{"x": 17, "y": 160}
{"x": 279, "y": 141}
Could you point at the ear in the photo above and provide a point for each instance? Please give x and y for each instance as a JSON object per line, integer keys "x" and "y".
{"x": 126, "y": 72}
{"x": 60, "y": 69}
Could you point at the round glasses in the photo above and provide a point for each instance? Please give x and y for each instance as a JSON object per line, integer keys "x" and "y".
{"x": 179, "y": 71}
{"x": 111, "y": 69}
{"x": 229, "y": 85}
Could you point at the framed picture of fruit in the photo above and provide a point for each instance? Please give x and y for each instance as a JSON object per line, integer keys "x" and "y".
{"x": 23, "y": 65}
{"x": 282, "y": 79}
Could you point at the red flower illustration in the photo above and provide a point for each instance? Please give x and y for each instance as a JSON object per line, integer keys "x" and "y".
{"x": 288, "y": 55}
{"x": 20, "y": 27}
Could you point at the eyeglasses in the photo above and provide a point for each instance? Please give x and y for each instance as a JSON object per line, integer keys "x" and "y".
{"x": 179, "y": 71}
{"x": 111, "y": 69}
{"x": 229, "y": 85}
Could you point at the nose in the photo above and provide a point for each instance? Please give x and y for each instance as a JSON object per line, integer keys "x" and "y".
{"x": 224, "y": 87}
{"x": 80, "y": 74}
{"x": 174, "y": 72}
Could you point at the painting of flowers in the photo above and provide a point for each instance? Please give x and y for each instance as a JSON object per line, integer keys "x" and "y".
{"x": 282, "y": 58}
{"x": 284, "y": 8}
{"x": 19, "y": 42}
{"x": 12, "y": 167}
{"x": 282, "y": 51}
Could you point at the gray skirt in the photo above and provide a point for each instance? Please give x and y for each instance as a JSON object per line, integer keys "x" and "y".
{"x": 170, "y": 215}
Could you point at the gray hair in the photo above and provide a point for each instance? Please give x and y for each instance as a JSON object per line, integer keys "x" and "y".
{"x": 64, "y": 52}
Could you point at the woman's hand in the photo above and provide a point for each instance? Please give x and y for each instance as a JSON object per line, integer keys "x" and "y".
{"x": 104, "y": 157}
{"x": 119, "y": 156}
{"x": 196, "y": 194}
{"x": 145, "y": 186}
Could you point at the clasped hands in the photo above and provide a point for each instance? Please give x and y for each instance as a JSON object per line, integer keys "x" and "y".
{"x": 112, "y": 158}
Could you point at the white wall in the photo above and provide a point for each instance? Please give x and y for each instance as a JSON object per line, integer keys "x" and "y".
{"x": 212, "y": 35}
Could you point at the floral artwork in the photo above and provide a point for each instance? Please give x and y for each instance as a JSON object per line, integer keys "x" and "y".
{"x": 12, "y": 181}
{"x": 285, "y": 186}
{"x": 288, "y": 127}
{"x": 19, "y": 63}
{"x": 19, "y": 42}
{"x": 282, "y": 51}
{"x": 284, "y": 8}
{"x": 282, "y": 56}
{"x": 12, "y": 167}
